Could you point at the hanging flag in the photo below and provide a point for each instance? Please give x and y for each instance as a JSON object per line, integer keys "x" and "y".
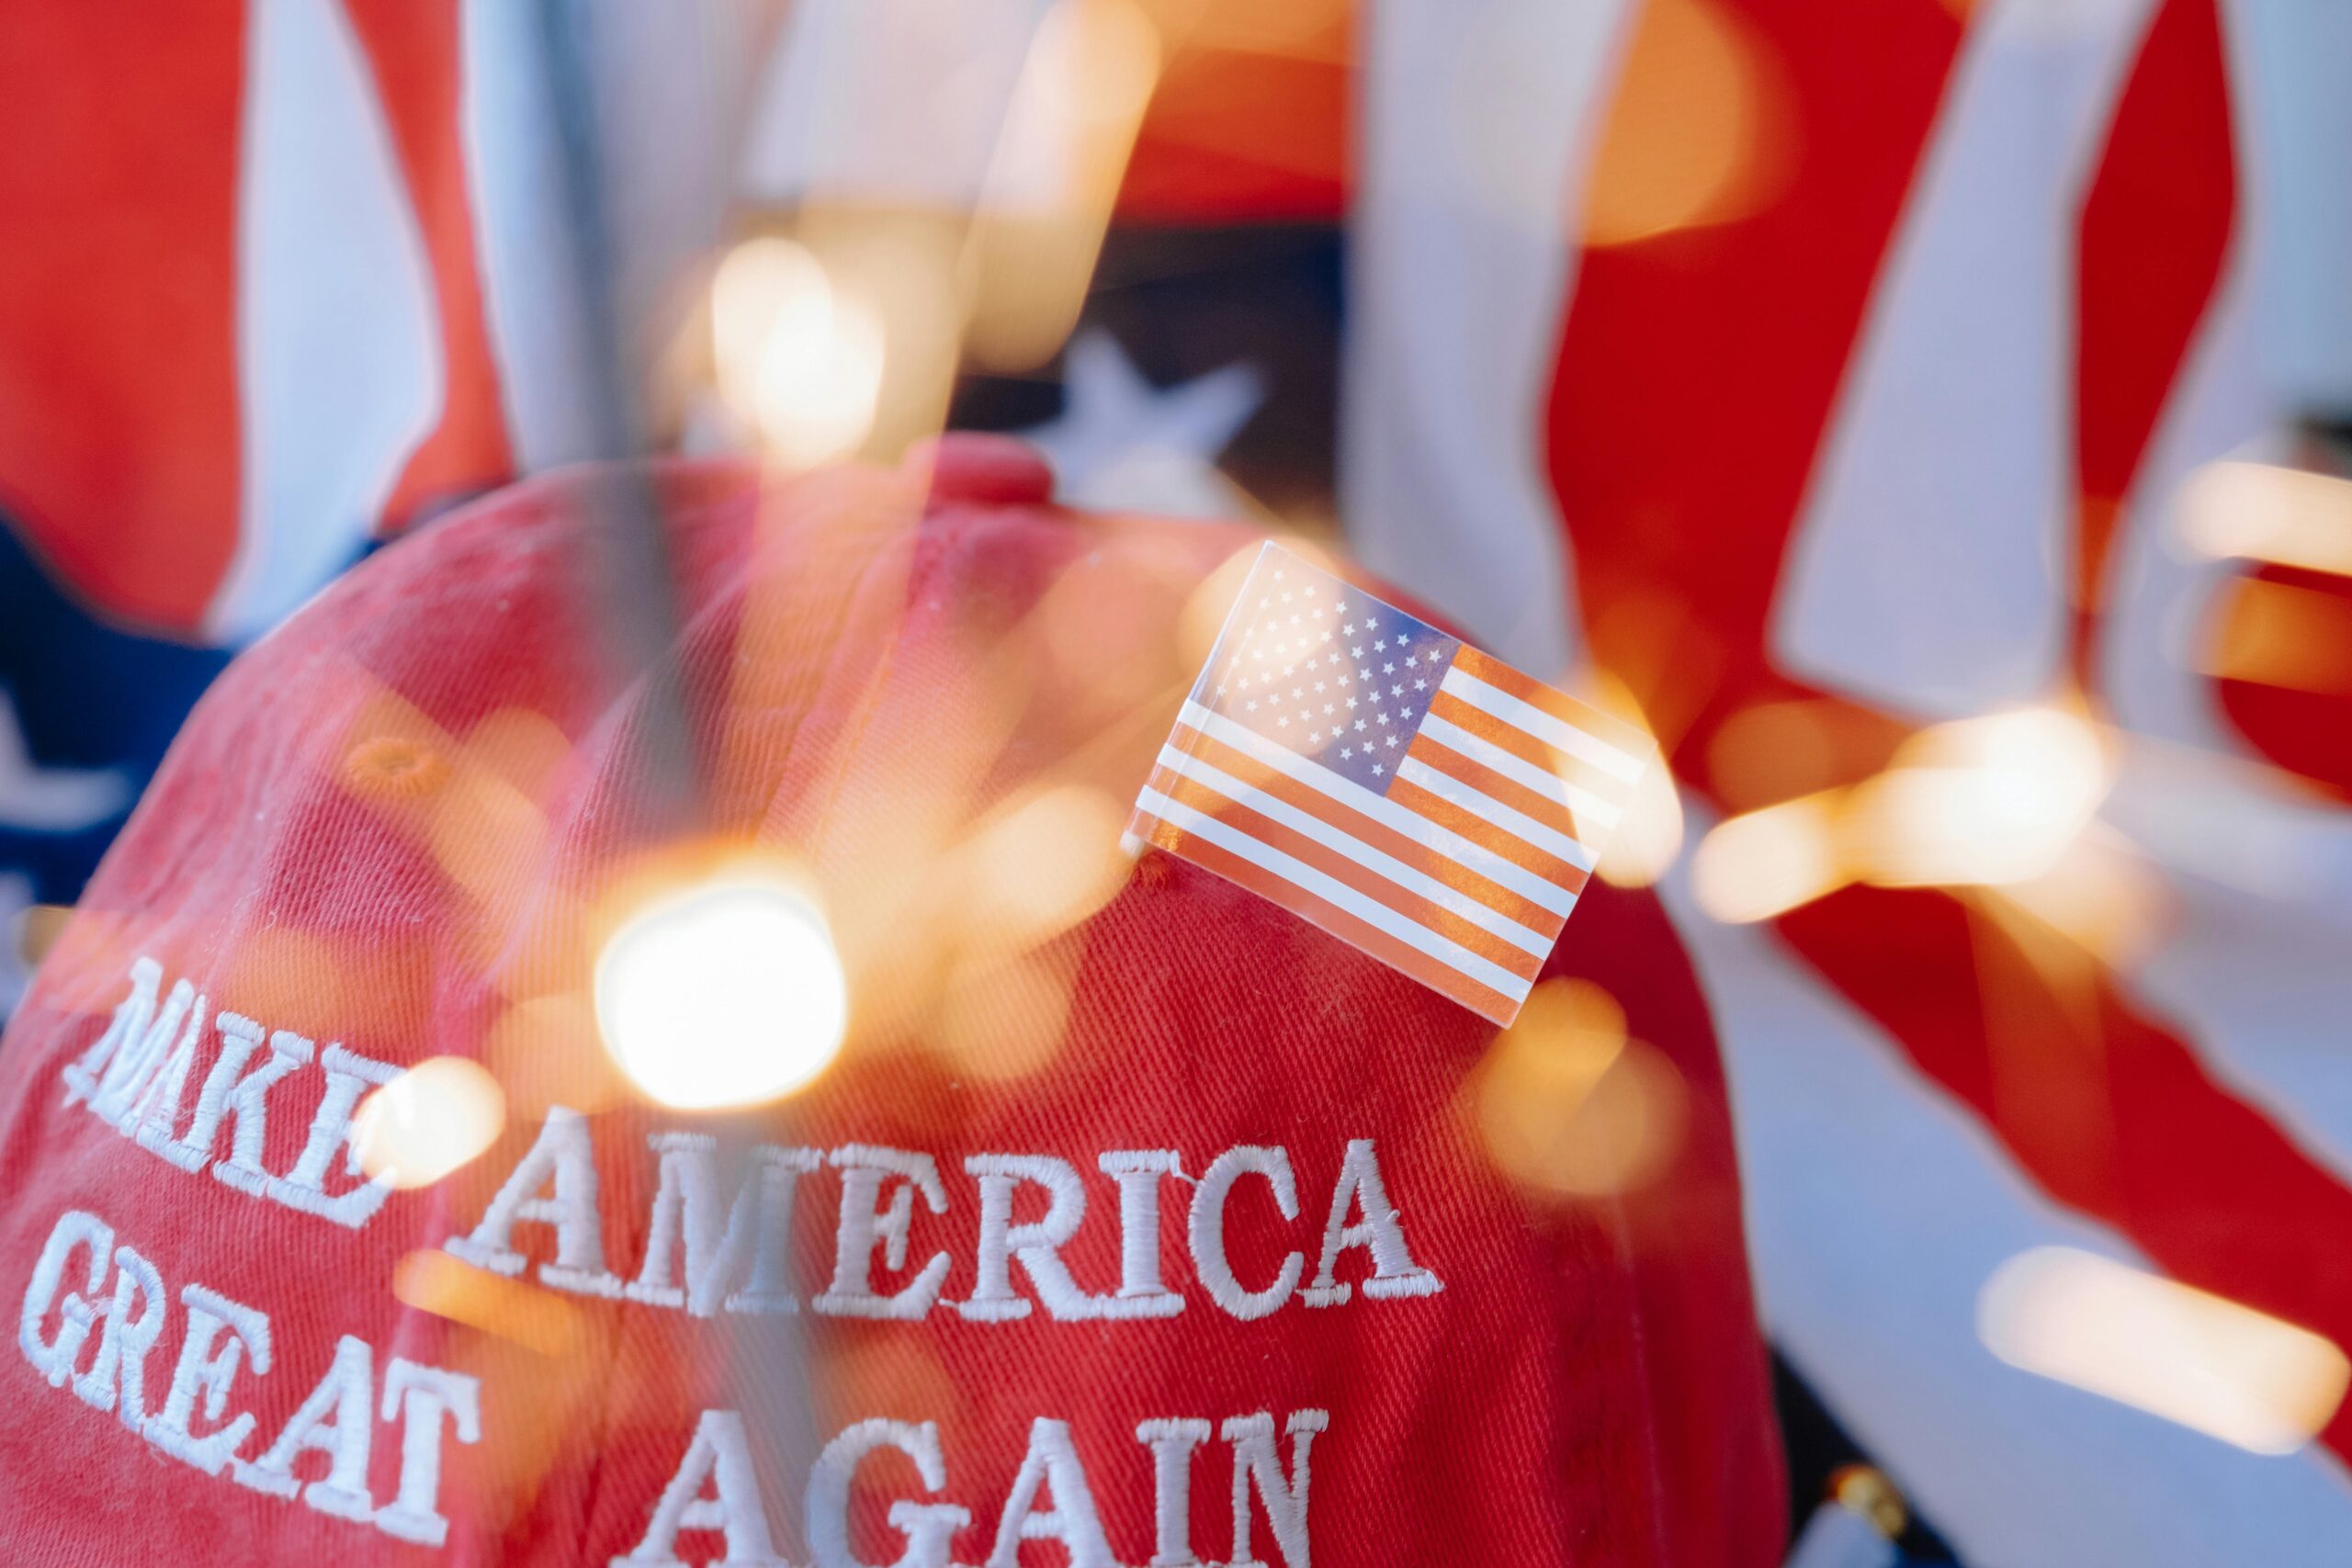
{"x": 1816, "y": 419}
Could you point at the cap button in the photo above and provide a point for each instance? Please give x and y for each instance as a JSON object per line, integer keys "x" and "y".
{"x": 1002, "y": 470}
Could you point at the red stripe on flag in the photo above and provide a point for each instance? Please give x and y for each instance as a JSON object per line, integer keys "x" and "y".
{"x": 120, "y": 150}
{"x": 2111, "y": 1113}
{"x": 1485, "y": 834}
{"x": 1355, "y": 824}
{"x": 413, "y": 47}
{"x": 2166, "y": 184}
{"x": 1531, "y": 750}
{"x": 1601, "y": 726}
{"x": 1340, "y": 868}
{"x": 1495, "y": 787}
{"x": 1442, "y": 979}
{"x": 1697, "y": 369}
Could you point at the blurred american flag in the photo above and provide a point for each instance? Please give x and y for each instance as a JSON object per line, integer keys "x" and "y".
{"x": 1824, "y": 371}
{"x": 1862, "y": 407}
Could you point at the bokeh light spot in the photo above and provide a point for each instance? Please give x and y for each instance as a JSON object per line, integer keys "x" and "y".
{"x": 728, "y": 993}
{"x": 2204, "y": 1362}
{"x": 1697, "y": 133}
{"x": 797, "y": 353}
{"x": 429, "y": 1121}
{"x": 1568, "y": 1106}
{"x": 1980, "y": 802}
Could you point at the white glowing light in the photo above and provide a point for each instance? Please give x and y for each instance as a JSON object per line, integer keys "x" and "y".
{"x": 1980, "y": 802}
{"x": 802, "y": 358}
{"x": 729, "y": 994}
{"x": 2261, "y": 511}
{"x": 2208, "y": 1363}
{"x": 428, "y": 1122}
{"x": 1765, "y": 862}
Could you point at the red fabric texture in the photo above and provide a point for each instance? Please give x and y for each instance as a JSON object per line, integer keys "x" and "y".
{"x": 400, "y": 823}
{"x": 118, "y": 424}
{"x": 123, "y": 167}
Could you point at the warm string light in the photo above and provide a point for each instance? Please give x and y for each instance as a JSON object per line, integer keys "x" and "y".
{"x": 1568, "y": 1106}
{"x": 1698, "y": 133}
{"x": 2265, "y": 513}
{"x": 847, "y": 336}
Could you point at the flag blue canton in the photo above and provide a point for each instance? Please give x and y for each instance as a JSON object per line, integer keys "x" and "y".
{"x": 1326, "y": 670}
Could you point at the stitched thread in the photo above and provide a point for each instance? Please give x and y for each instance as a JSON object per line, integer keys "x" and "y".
{"x": 928, "y": 1526}
{"x": 863, "y": 1227}
{"x": 206, "y": 1369}
{"x": 1255, "y": 1462}
{"x": 1395, "y": 1274}
{"x": 1206, "y": 1228}
{"x": 559, "y": 1159}
{"x": 718, "y": 1458}
{"x": 336, "y": 1419}
{"x": 1052, "y": 1463}
{"x": 1172, "y": 1443}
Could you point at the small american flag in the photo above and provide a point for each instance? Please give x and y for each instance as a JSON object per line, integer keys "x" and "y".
{"x": 1403, "y": 791}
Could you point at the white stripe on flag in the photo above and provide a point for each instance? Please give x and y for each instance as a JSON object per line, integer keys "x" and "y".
{"x": 1454, "y": 792}
{"x": 1388, "y": 814}
{"x": 1453, "y": 312}
{"x": 339, "y": 367}
{"x": 1587, "y": 806}
{"x": 1923, "y": 577}
{"x": 1557, "y": 733}
{"x": 1418, "y": 883}
{"x": 1333, "y": 891}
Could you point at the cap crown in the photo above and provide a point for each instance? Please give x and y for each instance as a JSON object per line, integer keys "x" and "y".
{"x": 1136, "y": 1217}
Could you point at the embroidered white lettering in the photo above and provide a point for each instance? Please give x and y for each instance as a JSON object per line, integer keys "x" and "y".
{"x": 248, "y": 1102}
{"x": 207, "y": 1368}
{"x": 1207, "y": 1229}
{"x": 863, "y": 1227}
{"x": 1138, "y": 1174}
{"x": 1036, "y": 1243}
{"x": 562, "y": 1160}
{"x": 928, "y": 1526}
{"x": 718, "y": 1458}
{"x": 1051, "y": 1464}
{"x": 118, "y": 1376}
{"x": 336, "y": 1420}
{"x": 349, "y": 1078}
{"x": 1394, "y": 1272}
{"x": 425, "y": 1397}
{"x": 686, "y": 1214}
{"x": 1171, "y": 1444}
{"x": 1255, "y": 1461}
{"x": 153, "y": 1119}
{"x": 111, "y": 1074}
{"x": 135, "y": 1077}
{"x": 222, "y": 1338}
{"x": 53, "y": 1357}
{"x": 717, "y": 1488}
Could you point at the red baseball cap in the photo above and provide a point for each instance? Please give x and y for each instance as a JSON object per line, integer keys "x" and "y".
{"x": 1123, "y": 1217}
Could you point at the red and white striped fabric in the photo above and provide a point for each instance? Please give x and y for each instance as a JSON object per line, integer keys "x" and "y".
{"x": 1408, "y": 794}
{"x": 1870, "y": 388}
{"x": 297, "y": 273}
